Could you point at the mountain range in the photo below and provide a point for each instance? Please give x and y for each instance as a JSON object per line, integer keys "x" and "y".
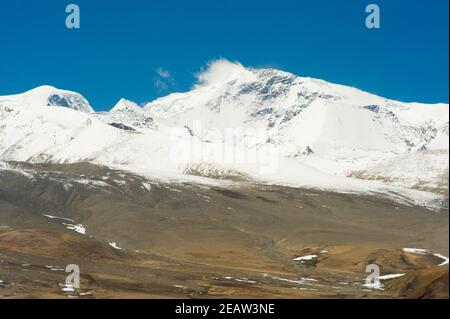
{"x": 238, "y": 123}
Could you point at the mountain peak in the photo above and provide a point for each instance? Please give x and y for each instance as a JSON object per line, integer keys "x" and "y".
{"x": 124, "y": 104}
{"x": 42, "y": 89}
{"x": 127, "y": 115}
{"x": 47, "y": 95}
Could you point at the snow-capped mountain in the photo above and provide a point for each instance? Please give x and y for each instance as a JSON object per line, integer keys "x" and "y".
{"x": 336, "y": 129}
{"x": 128, "y": 115}
{"x": 47, "y": 96}
{"x": 299, "y": 113}
{"x": 260, "y": 124}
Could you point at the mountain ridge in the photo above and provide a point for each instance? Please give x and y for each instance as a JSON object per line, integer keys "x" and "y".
{"x": 307, "y": 131}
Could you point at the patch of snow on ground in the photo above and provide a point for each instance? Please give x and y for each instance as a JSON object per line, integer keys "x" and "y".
{"x": 415, "y": 251}
{"x": 306, "y": 258}
{"x": 302, "y": 281}
{"x": 391, "y": 276}
{"x": 85, "y": 293}
{"x": 445, "y": 259}
{"x": 55, "y": 217}
{"x": 377, "y": 283}
{"x": 78, "y": 228}
{"x": 91, "y": 182}
{"x": 68, "y": 288}
{"x": 244, "y": 280}
{"x": 114, "y": 245}
{"x": 426, "y": 251}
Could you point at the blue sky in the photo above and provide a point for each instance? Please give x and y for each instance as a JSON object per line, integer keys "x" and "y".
{"x": 121, "y": 45}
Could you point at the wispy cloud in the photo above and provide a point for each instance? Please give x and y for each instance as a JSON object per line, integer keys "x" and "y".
{"x": 163, "y": 73}
{"x": 163, "y": 79}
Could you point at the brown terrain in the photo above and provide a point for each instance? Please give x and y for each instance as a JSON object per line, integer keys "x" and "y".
{"x": 186, "y": 240}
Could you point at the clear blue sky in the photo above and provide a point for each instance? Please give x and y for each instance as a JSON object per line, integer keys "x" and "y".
{"x": 121, "y": 43}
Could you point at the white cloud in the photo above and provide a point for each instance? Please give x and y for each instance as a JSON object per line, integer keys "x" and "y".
{"x": 161, "y": 85}
{"x": 163, "y": 73}
{"x": 222, "y": 70}
{"x": 163, "y": 79}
